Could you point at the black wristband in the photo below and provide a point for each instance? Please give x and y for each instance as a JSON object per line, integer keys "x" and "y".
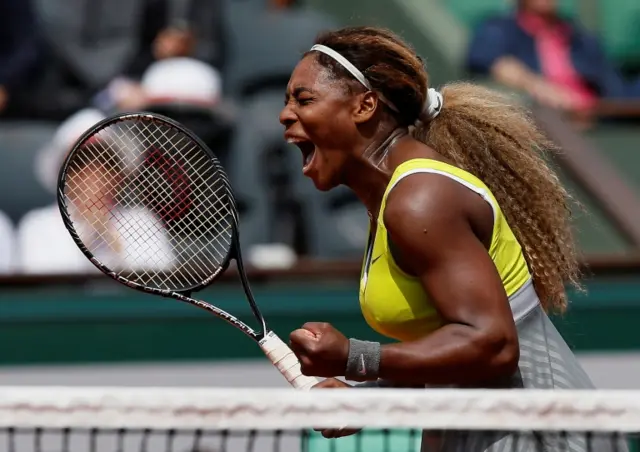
{"x": 363, "y": 362}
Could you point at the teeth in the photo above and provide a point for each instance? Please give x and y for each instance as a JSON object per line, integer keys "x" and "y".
{"x": 308, "y": 157}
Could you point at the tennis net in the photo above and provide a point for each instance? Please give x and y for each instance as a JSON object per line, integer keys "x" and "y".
{"x": 88, "y": 419}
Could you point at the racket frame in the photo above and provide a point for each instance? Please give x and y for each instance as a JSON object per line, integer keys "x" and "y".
{"x": 273, "y": 347}
{"x": 183, "y": 295}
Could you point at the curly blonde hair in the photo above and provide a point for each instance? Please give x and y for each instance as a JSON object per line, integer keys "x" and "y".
{"x": 485, "y": 133}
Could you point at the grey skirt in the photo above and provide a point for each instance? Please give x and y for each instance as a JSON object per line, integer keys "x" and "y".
{"x": 546, "y": 362}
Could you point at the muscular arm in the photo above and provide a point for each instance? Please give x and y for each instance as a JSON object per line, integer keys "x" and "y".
{"x": 429, "y": 222}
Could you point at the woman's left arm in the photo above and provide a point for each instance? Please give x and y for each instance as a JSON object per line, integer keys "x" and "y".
{"x": 433, "y": 234}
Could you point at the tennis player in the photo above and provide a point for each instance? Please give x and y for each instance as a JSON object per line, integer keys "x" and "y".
{"x": 470, "y": 240}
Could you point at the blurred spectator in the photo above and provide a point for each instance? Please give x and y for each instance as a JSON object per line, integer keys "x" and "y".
{"x": 122, "y": 235}
{"x": 198, "y": 25}
{"x": 99, "y": 49}
{"x": 170, "y": 29}
{"x": 190, "y": 92}
{"x": 551, "y": 58}
{"x": 182, "y": 81}
{"x": 20, "y": 56}
{"x": 7, "y": 244}
{"x": 44, "y": 244}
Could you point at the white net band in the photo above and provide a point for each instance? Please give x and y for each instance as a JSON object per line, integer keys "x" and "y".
{"x": 271, "y": 409}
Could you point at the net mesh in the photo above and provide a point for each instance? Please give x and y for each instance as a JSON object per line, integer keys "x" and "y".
{"x": 389, "y": 420}
{"x": 149, "y": 203}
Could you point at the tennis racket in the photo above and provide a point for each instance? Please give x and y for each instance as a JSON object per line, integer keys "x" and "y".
{"x": 150, "y": 206}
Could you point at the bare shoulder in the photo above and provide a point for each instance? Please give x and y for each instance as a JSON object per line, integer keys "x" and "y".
{"x": 431, "y": 218}
{"x": 425, "y": 199}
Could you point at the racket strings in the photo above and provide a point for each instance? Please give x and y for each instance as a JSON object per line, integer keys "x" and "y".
{"x": 198, "y": 166}
{"x": 189, "y": 223}
{"x": 159, "y": 203}
{"x": 204, "y": 161}
{"x": 204, "y": 249}
{"x": 201, "y": 261}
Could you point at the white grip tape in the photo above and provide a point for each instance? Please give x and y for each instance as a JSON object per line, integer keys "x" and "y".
{"x": 285, "y": 361}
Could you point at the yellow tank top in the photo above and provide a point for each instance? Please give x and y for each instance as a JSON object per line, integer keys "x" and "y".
{"x": 393, "y": 302}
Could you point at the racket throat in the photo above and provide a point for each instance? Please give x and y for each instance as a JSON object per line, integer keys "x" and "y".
{"x": 249, "y": 293}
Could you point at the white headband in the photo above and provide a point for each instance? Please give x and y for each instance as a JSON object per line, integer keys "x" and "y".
{"x": 433, "y": 102}
{"x": 353, "y": 70}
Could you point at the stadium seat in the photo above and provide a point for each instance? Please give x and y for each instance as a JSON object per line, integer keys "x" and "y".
{"x": 265, "y": 46}
{"x": 93, "y": 62}
{"x": 618, "y": 143}
{"x": 620, "y": 32}
{"x": 20, "y": 191}
{"x": 258, "y": 131}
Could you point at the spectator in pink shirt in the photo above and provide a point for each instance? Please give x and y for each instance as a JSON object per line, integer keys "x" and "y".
{"x": 549, "y": 57}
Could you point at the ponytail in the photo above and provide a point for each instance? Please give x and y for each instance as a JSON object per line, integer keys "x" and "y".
{"x": 495, "y": 139}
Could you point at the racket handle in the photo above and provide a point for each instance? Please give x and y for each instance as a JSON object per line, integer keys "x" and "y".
{"x": 285, "y": 361}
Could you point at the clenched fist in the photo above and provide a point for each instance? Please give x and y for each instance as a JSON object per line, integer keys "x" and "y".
{"x": 321, "y": 349}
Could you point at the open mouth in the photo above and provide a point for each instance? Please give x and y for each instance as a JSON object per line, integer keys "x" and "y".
{"x": 308, "y": 151}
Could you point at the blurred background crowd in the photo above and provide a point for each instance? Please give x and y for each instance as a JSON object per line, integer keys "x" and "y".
{"x": 221, "y": 67}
